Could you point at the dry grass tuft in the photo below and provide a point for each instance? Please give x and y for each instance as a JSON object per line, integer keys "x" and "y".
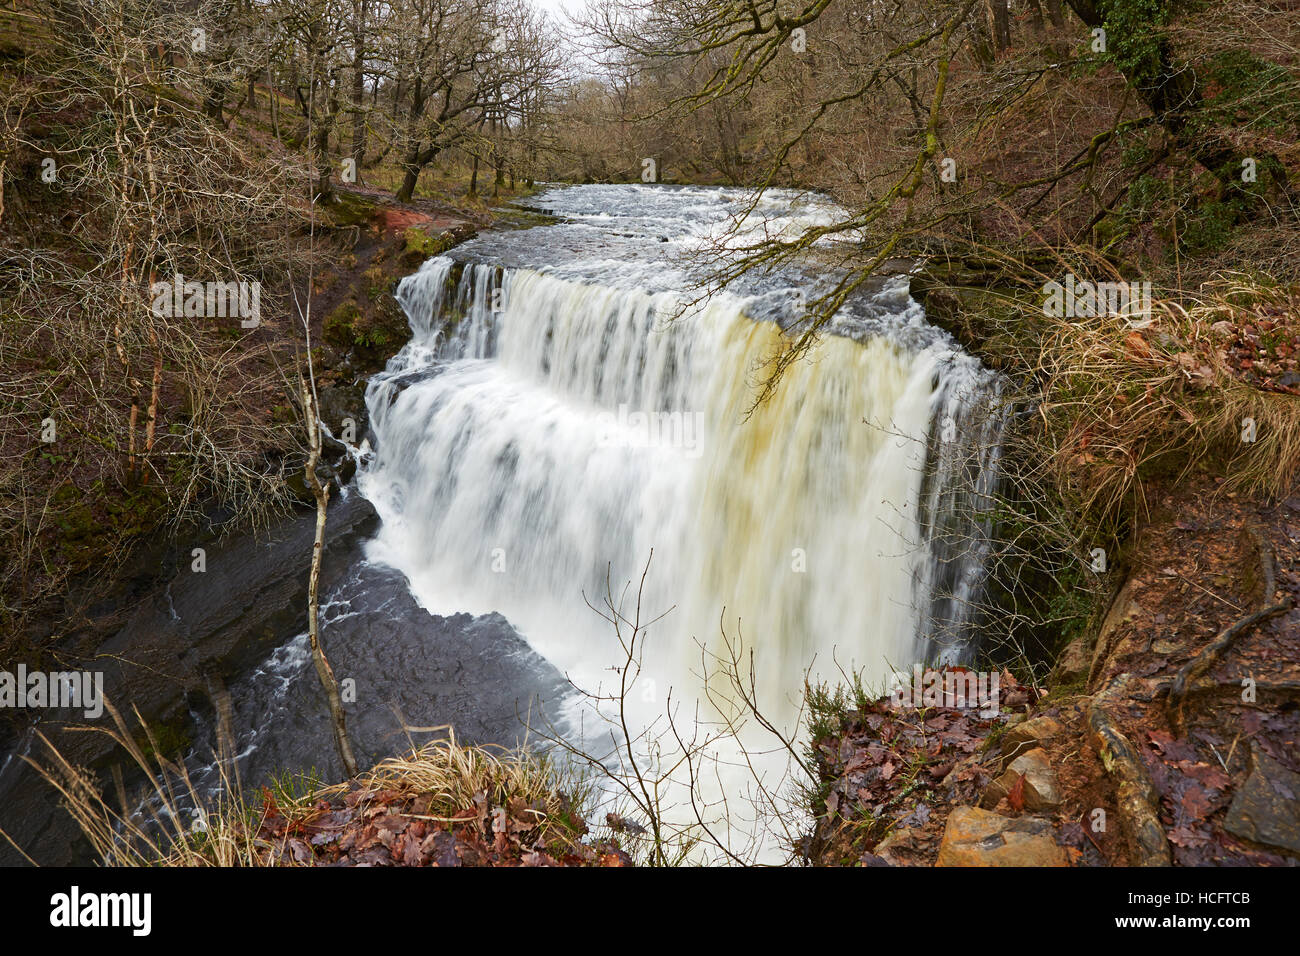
{"x": 172, "y": 824}
{"x": 1123, "y": 402}
{"x": 454, "y": 775}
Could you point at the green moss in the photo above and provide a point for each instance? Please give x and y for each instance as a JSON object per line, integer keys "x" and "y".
{"x": 1071, "y": 607}
{"x": 171, "y": 738}
{"x": 351, "y": 210}
{"x": 1209, "y": 227}
{"x": 1135, "y": 37}
{"x": 378, "y": 283}
{"x": 1144, "y": 196}
{"x": 994, "y": 738}
{"x": 1243, "y": 90}
{"x": 375, "y": 330}
{"x": 1066, "y": 691}
{"x": 420, "y": 244}
{"x": 340, "y": 327}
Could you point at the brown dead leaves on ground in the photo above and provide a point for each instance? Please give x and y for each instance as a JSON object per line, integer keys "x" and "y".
{"x": 366, "y": 827}
{"x": 902, "y": 768}
{"x": 1191, "y": 580}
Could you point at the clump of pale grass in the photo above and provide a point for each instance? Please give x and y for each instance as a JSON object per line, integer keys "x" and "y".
{"x": 171, "y": 823}
{"x": 1123, "y": 401}
{"x": 1105, "y": 407}
{"x": 225, "y": 830}
{"x": 455, "y": 776}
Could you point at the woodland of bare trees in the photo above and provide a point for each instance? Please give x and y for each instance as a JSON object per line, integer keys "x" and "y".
{"x": 149, "y": 143}
{"x": 866, "y": 99}
{"x": 117, "y": 157}
{"x": 148, "y": 139}
{"x": 1157, "y": 136}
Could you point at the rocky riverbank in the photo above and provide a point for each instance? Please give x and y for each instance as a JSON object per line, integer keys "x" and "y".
{"x": 1167, "y": 736}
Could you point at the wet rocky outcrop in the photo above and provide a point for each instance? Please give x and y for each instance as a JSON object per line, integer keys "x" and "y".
{"x": 407, "y": 677}
{"x": 182, "y": 637}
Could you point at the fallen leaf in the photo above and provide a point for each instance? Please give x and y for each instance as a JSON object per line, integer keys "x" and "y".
{"x": 1016, "y": 795}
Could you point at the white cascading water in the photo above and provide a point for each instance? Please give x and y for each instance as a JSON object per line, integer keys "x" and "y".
{"x": 557, "y": 417}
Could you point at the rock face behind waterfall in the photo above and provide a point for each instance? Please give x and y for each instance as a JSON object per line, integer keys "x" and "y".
{"x": 411, "y": 677}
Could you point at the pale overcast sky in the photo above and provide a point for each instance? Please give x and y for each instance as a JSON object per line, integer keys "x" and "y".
{"x": 557, "y": 8}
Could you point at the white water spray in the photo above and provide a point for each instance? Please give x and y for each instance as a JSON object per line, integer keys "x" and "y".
{"x": 547, "y": 424}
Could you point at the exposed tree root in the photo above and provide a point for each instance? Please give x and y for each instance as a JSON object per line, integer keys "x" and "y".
{"x": 1284, "y": 688}
{"x": 1206, "y": 659}
{"x": 1136, "y": 798}
{"x": 1106, "y": 635}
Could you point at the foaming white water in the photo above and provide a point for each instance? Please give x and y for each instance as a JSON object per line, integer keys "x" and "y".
{"x": 544, "y": 429}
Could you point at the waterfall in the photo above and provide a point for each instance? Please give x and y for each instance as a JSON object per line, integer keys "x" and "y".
{"x": 551, "y": 423}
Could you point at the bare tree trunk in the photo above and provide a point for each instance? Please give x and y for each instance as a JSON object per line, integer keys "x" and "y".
{"x": 406, "y": 191}
{"x": 980, "y": 47}
{"x": 132, "y": 423}
{"x": 324, "y": 671}
{"x": 498, "y": 162}
{"x": 151, "y": 418}
{"x": 324, "y": 167}
{"x": 214, "y": 102}
{"x": 275, "y": 102}
{"x": 1035, "y": 16}
{"x": 324, "y": 171}
{"x": 358, "y": 85}
{"x": 999, "y": 25}
{"x": 473, "y": 176}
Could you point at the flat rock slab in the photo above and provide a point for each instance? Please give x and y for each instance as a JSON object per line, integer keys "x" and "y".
{"x": 975, "y": 837}
{"x": 1075, "y": 661}
{"x": 410, "y": 674}
{"x": 1041, "y": 790}
{"x": 1266, "y": 808}
{"x": 906, "y": 846}
{"x": 1027, "y": 736}
{"x": 1033, "y": 731}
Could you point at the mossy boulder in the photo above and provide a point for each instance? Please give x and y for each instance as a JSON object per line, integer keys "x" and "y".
{"x": 420, "y": 245}
{"x": 372, "y": 329}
